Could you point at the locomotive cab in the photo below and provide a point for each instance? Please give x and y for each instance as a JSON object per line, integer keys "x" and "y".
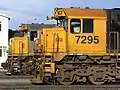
{"x": 83, "y": 32}
{"x": 86, "y": 31}
{"x": 23, "y": 43}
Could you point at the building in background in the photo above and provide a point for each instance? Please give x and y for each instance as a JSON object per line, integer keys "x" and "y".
{"x": 4, "y": 20}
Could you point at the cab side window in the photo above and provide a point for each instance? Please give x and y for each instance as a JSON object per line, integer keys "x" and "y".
{"x": 87, "y": 25}
{"x": 75, "y": 26}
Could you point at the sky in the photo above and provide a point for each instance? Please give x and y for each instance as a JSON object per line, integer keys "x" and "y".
{"x": 35, "y": 11}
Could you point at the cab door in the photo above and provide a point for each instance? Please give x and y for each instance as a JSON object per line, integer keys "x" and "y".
{"x": 87, "y": 35}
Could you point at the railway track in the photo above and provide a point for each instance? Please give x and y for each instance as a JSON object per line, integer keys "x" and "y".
{"x": 22, "y": 82}
{"x": 49, "y": 87}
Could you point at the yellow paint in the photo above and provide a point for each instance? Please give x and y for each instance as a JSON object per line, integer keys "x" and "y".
{"x": 79, "y": 13}
{"x": 99, "y": 30}
{"x": 50, "y": 40}
{"x": 51, "y": 67}
{"x": 19, "y": 45}
{"x": 68, "y": 42}
{"x": 24, "y": 27}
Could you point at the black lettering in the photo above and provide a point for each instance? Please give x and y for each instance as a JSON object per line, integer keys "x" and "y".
{"x": 78, "y": 38}
{"x": 90, "y": 39}
{"x": 96, "y": 40}
{"x": 83, "y": 39}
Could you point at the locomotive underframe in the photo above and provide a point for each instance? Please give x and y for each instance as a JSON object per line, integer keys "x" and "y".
{"x": 83, "y": 69}
{"x": 95, "y": 69}
{"x": 20, "y": 65}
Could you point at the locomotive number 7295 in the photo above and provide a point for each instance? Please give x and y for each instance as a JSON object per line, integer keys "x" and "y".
{"x": 87, "y": 39}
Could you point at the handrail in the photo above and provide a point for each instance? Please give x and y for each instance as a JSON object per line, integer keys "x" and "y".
{"x": 115, "y": 37}
{"x": 54, "y": 41}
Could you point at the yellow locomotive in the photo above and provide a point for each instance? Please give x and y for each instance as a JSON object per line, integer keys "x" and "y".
{"x": 83, "y": 47}
{"x": 21, "y": 56}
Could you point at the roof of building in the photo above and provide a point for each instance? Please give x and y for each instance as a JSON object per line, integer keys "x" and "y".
{"x": 4, "y": 15}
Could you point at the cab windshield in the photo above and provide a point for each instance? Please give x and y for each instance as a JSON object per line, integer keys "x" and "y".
{"x": 62, "y": 23}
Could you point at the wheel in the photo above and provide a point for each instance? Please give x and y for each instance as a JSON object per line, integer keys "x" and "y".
{"x": 94, "y": 81}
{"x": 65, "y": 77}
{"x": 49, "y": 80}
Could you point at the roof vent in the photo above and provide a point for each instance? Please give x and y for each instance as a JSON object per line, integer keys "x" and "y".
{"x": 74, "y": 7}
{"x": 34, "y": 23}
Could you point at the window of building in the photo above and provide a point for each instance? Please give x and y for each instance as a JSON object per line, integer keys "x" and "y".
{"x": 0, "y": 26}
{"x": 0, "y": 52}
{"x": 4, "y": 50}
{"x": 87, "y": 25}
{"x": 75, "y": 26}
{"x": 33, "y": 35}
{"x": 118, "y": 17}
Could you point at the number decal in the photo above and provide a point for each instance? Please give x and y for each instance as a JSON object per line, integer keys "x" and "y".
{"x": 78, "y": 38}
{"x": 83, "y": 39}
{"x": 87, "y": 39}
{"x": 96, "y": 40}
{"x": 90, "y": 39}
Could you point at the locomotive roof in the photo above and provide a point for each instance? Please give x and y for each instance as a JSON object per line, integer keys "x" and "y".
{"x": 37, "y": 26}
{"x": 82, "y": 12}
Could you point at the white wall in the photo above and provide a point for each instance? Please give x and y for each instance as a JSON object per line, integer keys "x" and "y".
{"x": 4, "y": 38}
